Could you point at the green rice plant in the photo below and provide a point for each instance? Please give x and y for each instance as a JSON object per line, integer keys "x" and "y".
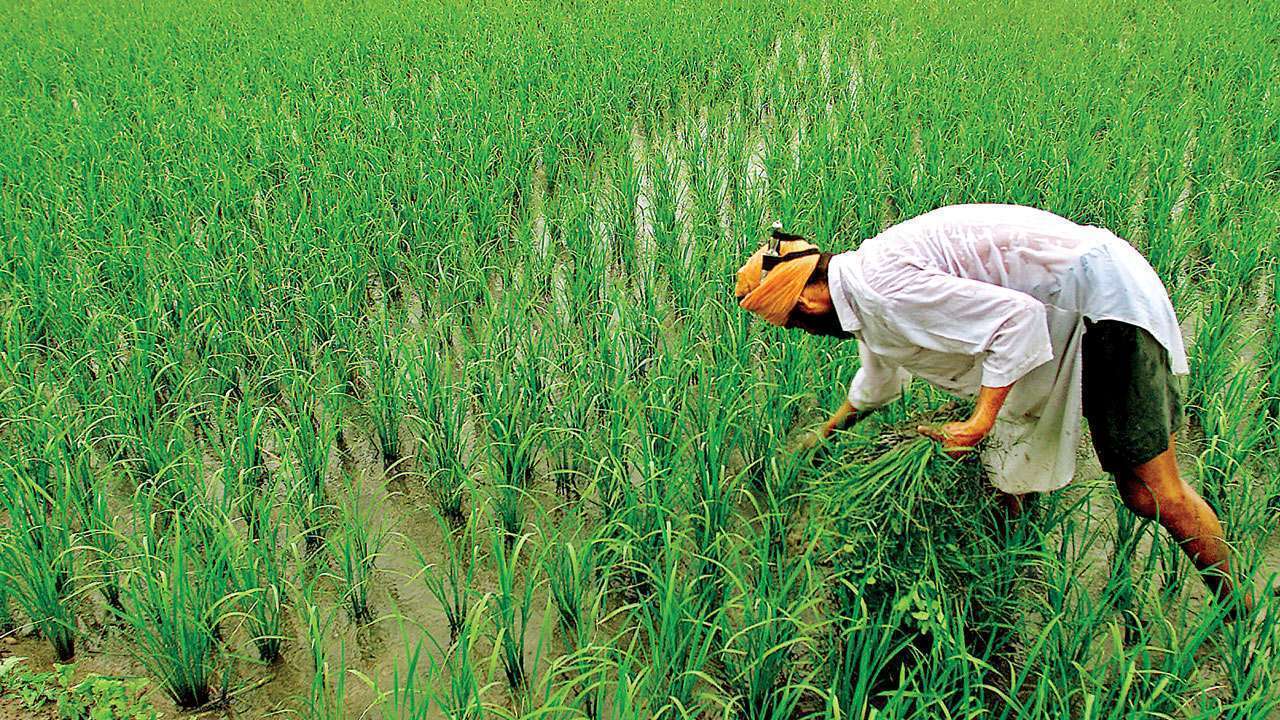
{"x": 149, "y": 415}
{"x": 1269, "y": 360}
{"x": 508, "y": 504}
{"x": 1121, "y": 591}
{"x": 173, "y": 607}
{"x": 1247, "y": 647}
{"x": 765, "y": 628}
{"x": 658, "y": 423}
{"x": 99, "y": 532}
{"x": 511, "y": 605}
{"x": 1234, "y": 439}
{"x": 7, "y": 622}
{"x": 386, "y": 401}
{"x": 451, "y": 582}
{"x": 605, "y": 682}
{"x": 356, "y": 541}
{"x": 511, "y": 397}
{"x": 342, "y": 355}
{"x": 462, "y": 698}
{"x": 38, "y": 563}
{"x": 576, "y": 590}
{"x": 713, "y": 484}
{"x": 313, "y": 430}
{"x": 440, "y": 415}
{"x": 573, "y": 412}
{"x": 327, "y": 691}
{"x": 863, "y": 652}
{"x": 678, "y": 632}
{"x": 411, "y": 693}
{"x": 244, "y": 472}
{"x": 610, "y": 478}
{"x": 261, "y": 578}
{"x": 1212, "y": 352}
{"x": 924, "y": 508}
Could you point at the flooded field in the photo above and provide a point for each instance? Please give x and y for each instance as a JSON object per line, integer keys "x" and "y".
{"x": 382, "y": 360}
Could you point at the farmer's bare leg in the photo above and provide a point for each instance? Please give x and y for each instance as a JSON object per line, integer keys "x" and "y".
{"x": 1013, "y": 505}
{"x": 1156, "y": 491}
{"x": 1009, "y": 508}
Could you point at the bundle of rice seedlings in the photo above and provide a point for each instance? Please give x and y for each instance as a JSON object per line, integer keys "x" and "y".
{"x": 909, "y": 536}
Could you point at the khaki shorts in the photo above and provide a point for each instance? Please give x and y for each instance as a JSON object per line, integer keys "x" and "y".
{"x": 1131, "y": 397}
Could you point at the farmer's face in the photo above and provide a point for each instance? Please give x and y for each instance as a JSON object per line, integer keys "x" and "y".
{"x": 815, "y": 313}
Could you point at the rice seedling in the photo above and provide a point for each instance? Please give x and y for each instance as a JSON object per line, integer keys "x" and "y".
{"x": 511, "y": 606}
{"x": 7, "y": 621}
{"x": 462, "y": 698}
{"x": 576, "y": 592}
{"x": 511, "y": 395}
{"x": 148, "y": 414}
{"x": 173, "y": 606}
{"x": 441, "y": 404}
{"x": 387, "y": 399}
{"x": 1233, "y": 439}
{"x": 261, "y": 577}
{"x": 327, "y": 689}
{"x": 243, "y": 468}
{"x": 678, "y": 629}
{"x": 99, "y": 535}
{"x": 452, "y": 581}
{"x": 313, "y": 432}
{"x": 39, "y": 563}
{"x": 410, "y": 696}
{"x": 355, "y": 541}
{"x": 711, "y": 501}
{"x": 573, "y": 413}
{"x": 1212, "y": 352}
{"x": 766, "y": 629}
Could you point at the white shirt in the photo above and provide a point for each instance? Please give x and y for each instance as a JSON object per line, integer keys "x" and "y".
{"x": 973, "y": 295}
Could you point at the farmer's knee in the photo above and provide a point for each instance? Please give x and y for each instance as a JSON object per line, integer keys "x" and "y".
{"x": 1152, "y": 501}
{"x": 1136, "y": 496}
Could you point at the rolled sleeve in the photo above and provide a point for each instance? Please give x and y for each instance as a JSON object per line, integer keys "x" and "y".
{"x": 877, "y": 381}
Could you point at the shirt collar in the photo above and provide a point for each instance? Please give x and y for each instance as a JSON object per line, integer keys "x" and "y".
{"x": 846, "y": 309}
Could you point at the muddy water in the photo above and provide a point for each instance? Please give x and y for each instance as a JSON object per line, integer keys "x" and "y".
{"x": 376, "y": 651}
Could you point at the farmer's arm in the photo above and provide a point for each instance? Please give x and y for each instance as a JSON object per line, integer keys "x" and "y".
{"x": 877, "y": 382}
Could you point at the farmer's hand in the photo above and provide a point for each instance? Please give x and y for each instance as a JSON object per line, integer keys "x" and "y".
{"x": 811, "y": 438}
{"x": 843, "y": 417}
{"x": 958, "y": 438}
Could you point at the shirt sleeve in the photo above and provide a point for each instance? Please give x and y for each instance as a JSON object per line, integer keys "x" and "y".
{"x": 877, "y": 381}
{"x": 949, "y": 314}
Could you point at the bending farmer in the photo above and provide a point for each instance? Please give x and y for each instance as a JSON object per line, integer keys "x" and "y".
{"x": 1040, "y": 318}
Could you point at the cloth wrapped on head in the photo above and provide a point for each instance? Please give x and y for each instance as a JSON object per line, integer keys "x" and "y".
{"x": 774, "y": 298}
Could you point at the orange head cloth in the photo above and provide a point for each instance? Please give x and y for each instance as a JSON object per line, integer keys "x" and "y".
{"x": 777, "y": 295}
